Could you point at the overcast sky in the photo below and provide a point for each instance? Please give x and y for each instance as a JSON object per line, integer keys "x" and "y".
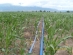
{"x": 57, "y": 4}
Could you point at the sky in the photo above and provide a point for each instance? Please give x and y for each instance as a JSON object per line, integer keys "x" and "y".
{"x": 56, "y": 4}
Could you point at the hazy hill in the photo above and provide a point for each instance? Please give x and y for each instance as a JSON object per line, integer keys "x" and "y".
{"x": 10, "y": 7}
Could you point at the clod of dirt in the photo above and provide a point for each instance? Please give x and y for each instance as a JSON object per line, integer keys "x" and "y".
{"x": 69, "y": 42}
{"x": 62, "y": 52}
{"x": 36, "y": 48}
{"x": 1, "y": 53}
{"x": 18, "y": 42}
{"x": 29, "y": 33}
{"x": 62, "y": 44}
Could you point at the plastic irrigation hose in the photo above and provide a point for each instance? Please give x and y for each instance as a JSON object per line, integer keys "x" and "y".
{"x": 42, "y": 40}
{"x": 31, "y": 48}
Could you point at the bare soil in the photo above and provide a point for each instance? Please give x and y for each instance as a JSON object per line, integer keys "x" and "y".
{"x": 29, "y": 35}
{"x": 64, "y": 51}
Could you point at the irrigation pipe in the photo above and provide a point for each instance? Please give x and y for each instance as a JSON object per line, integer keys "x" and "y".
{"x": 31, "y": 48}
{"x": 42, "y": 40}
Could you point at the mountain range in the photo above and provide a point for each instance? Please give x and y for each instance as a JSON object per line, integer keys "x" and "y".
{"x": 10, "y": 7}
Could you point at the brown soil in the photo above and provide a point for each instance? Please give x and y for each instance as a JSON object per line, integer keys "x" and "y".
{"x": 36, "y": 48}
{"x": 1, "y": 53}
{"x": 29, "y": 32}
{"x": 64, "y": 51}
{"x": 69, "y": 42}
{"x": 29, "y": 35}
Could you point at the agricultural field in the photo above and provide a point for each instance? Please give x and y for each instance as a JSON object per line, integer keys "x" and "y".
{"x": 17, "y": 31}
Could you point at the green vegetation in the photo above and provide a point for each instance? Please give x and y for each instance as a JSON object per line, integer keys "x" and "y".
{"x": 12, "y": 26}
{"x": 58, "y": 28}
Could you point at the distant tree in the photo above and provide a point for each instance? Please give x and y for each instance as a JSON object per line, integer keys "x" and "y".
{"x": 55, "y": 11}
{"x": 44, "y": 11}
{"x": 36, "y": 11}
{"x": 49, "y": 11}
{"x": 40, "y": 10}
{"x": 22, "y": 11}
{"x": 32, "y": 11}
{"x": 67, "y": 11}
{"x": 60, "y": 11}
